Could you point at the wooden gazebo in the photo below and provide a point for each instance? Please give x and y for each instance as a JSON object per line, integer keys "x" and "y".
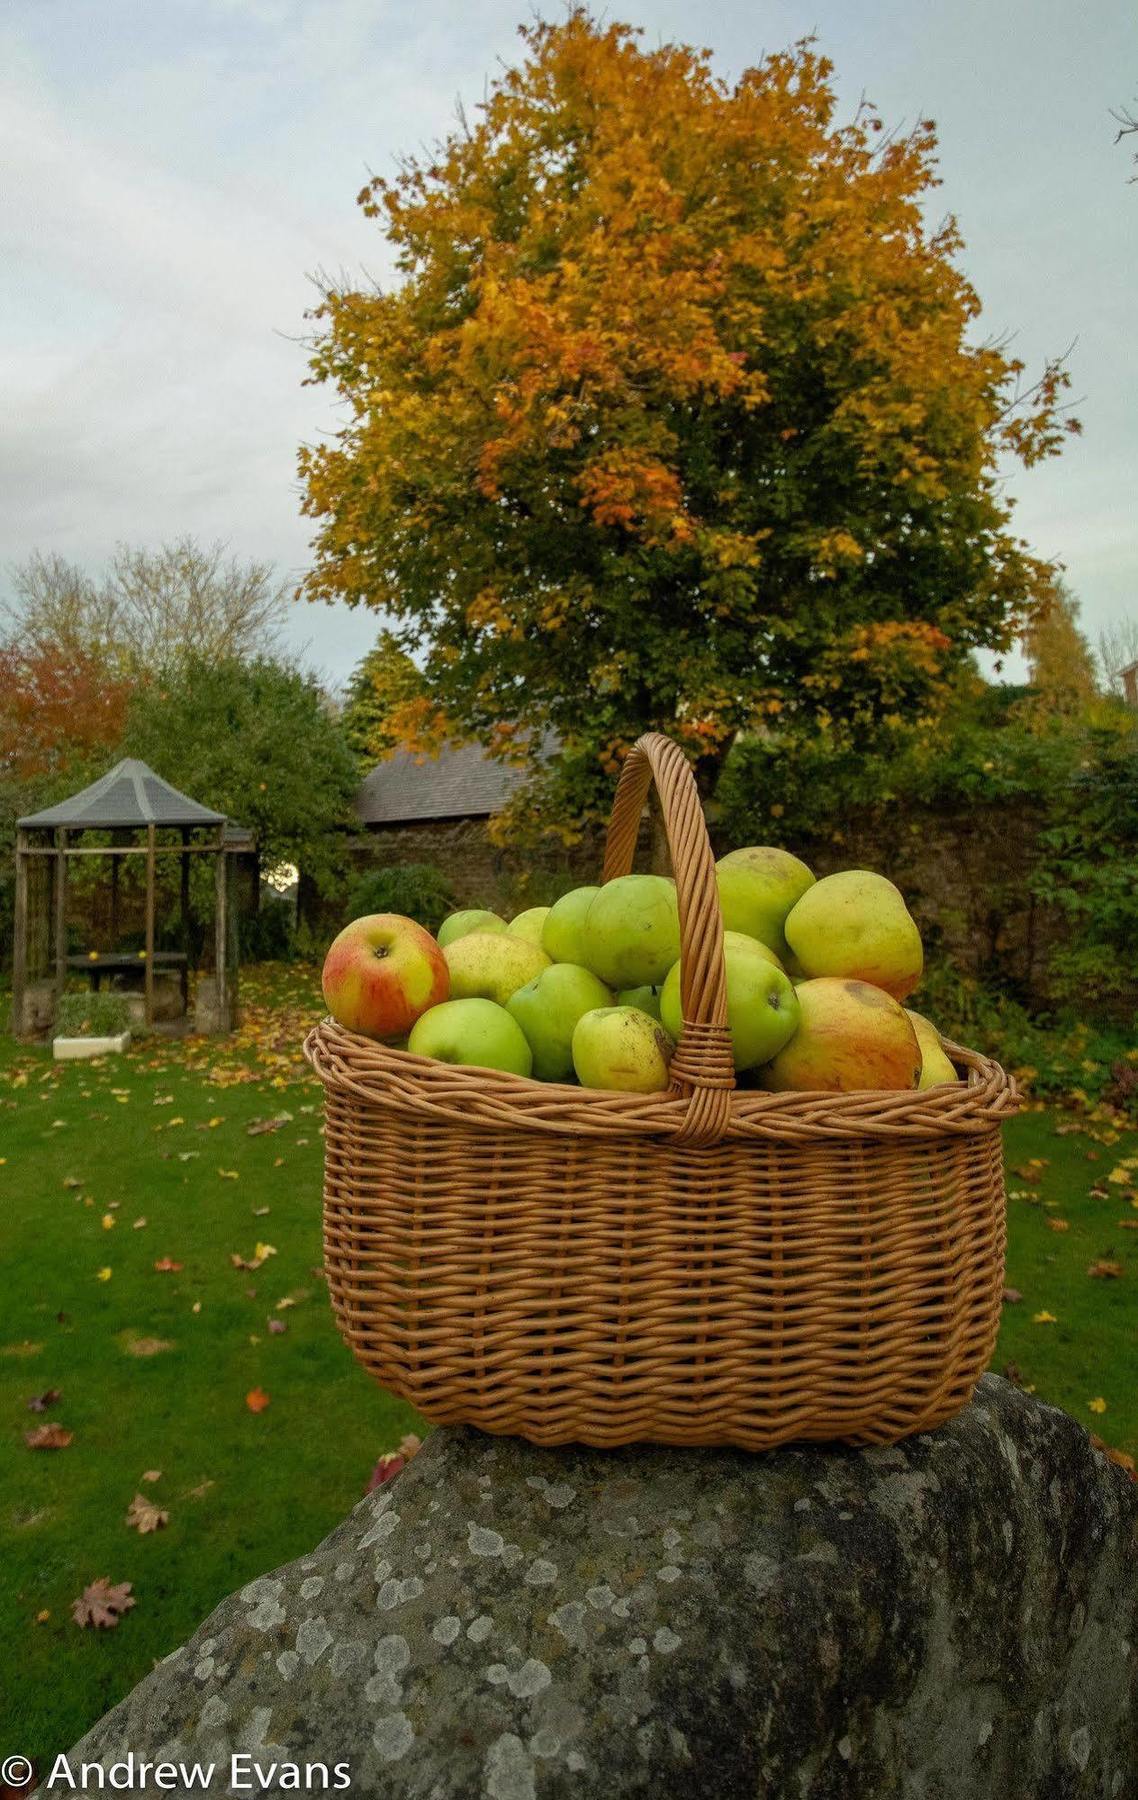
{"x": 136, "y": 813}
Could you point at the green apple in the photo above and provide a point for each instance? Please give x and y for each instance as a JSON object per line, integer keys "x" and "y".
{"x": 857, "y": 924}
{"x": 631, "y": 935}
{"x": 762, "y": 1010}
{"x": 488, "y": 965}
{"x": 936, "y": 1067}
{"x": 561, "y": 933}
{"x": 459, "y": 924}
{"x": 757, "y": 888}
{"x": 474, "y": 1032}
{"x": 548, "y": 1008}
{"x": 646, "y": 998}
{"x": 529, "y": 924}
{"x": 622, "y": 1048}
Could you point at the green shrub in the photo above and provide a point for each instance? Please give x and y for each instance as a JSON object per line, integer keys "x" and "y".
{"x": 419, "y": 890}
{"x": 92, "y": 1015}
{"x": 269, "y": 934}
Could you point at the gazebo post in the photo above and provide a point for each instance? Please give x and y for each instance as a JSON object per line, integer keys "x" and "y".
{"x": 150, "y": 840}
{"x": 221, "y": 933}
{"x": 60, "y": 913}
{"x": 20, "y": 934}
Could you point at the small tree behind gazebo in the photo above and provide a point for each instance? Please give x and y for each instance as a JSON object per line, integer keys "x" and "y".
{"x": 131, "y": 811}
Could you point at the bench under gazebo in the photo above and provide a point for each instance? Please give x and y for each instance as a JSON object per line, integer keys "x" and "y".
{"x": 129, "y": 812}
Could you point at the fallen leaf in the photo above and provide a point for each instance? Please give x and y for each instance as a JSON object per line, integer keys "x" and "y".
{"x": 257, "y": 1127}
{"x": 229, "y": 1174}
{"x": 103, "y": 1274}
{"x": 1044, "y": 1318}
{"x": 43, "y": 1615}
{"x": 48, "y": 1437}
{"x": 1097, "y": 1405}
{"x": 1012, "y": 1296}
{"x": 138, "y": 1224}
{"x": 144, "y": 1516}
{"x": 1032, "y": 1170}
{"x": 41, "y": 1402}
{"x": 1105, "y": 1270}
{"x": 72, "y": 1181}
{"x": 146, "y": 1346}
{"x": 257, "y": 1400}
{"x": 167, "y": 1266}
{"x": 151, "y": 1475}
{"x": 276, "y": 1326}
{"x": 101, "y": 1604}
{"x": 1058, "y": 1225}
{"x": 260, "y": 1211}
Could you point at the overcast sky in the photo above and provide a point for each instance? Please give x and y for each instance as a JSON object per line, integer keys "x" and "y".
{"x": 174, "y": 172}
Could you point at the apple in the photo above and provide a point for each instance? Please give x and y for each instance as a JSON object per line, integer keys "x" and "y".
{"x": 381, "y": 973}
{"x": 757, "y": 888}
{"x": 458, "y": 924}
{"x": 851, "y": 1036}
{"x": 936, "y": 1066}
{"x": 631, "y": 934}
{"x": 622, "y": 1048}
{"x": 474, "y": 1032}
{"x": 529, "y": 924}
{"x": 857, "y": 924}
{"x": 561, "y": 933}
{"x": 488, "y": 965}
{"x": 548, "y": 1008}
{"x": 646, "y": 998}
{"x": 762, "y": 1008}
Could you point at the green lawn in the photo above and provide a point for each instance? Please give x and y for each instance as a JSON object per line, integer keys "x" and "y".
{"x": 153, "y": 1367}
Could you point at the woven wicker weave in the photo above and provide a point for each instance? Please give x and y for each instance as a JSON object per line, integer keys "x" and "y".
{"x": 706, "y": 1266}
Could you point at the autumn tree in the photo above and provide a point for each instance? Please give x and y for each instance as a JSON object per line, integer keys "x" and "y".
{"x": 383, "y": 701}
{"x": 150, "y": 608}
{"x": 675, "y": 417}
{"x": 1060, "y": 663}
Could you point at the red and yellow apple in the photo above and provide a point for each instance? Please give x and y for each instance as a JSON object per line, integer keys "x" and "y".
{"x": 851, "y": 1036}
{"x": 382, "y": 973}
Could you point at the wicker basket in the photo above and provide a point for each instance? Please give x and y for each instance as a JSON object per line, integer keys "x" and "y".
{"x": 705, "y": 1266}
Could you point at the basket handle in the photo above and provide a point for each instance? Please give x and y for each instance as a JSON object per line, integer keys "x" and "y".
{"x": 702, "y": 1067}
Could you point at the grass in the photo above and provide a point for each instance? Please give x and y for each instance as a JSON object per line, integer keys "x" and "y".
{"x": 163, "y": 1134}
{"x": 154, "y": 1367}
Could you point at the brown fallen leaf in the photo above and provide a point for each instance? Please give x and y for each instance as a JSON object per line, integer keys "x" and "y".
{"x": 102, "y": 1604}
{"x": 138, "y": 1224}
{"x": 147, "y": 1346}
{"x": 1128, "y": 1224}
{"x": 1058, "y": 1225}
{"x": 151, "y": 1475}
{"x": 257, "y": 1400}
{"x": 1104, "y": 1269}
{"x": 1032, "y": 1170}
{"x": 144, "y": 1516}
{"x": 276, "y": 1326}
{"x": 1012, "y": 1296}
{"x": 48, "y": 1437}
{"x": 41, "y": 1402}
{"x": 167, "y": 1266}
{"x": 257, "y": 1127}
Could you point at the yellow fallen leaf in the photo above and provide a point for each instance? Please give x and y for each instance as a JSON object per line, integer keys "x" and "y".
{"x": 108, "y": 1221}
{"x": 228, "y": 1174}
{"x": 103, "y": 1274}
{"x": 214, "y": 1123}
{"x": 138, "y": 1224}
{"x": 1098, "y": 1405}
{"x": 1058, "y": 1225}
{"x": 1044, "y": 1318}
{"x": 262, "y": 1251}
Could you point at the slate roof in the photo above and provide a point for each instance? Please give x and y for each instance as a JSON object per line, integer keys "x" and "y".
{"x": 130, "y": 795}
{"x": 463, "y": 783}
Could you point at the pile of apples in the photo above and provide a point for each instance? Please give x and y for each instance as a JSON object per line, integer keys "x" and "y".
{"x": 589, "y": 989}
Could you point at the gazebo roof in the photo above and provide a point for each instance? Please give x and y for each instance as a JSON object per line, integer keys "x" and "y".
{"x": 130, "y": 795}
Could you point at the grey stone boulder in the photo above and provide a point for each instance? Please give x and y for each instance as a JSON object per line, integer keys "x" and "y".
{"x": 952, "y": 1617}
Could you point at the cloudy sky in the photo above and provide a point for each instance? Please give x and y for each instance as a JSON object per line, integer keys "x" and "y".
{"x": 173, "y": 174}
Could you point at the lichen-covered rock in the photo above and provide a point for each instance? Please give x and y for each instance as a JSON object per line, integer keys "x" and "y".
{"x": 951, "y": 1617}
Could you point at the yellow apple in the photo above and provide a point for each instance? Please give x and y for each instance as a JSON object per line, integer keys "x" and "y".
{"x": 622, "y": 1048}
{"x": 936, "y": 1067}
{"x": 850, "y": 1036}
{"x": 488, "y": 965}
{"x": 856, "y": 923}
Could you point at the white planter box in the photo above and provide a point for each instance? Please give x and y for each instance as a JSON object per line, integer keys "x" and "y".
{"x": 76, "y": 1049}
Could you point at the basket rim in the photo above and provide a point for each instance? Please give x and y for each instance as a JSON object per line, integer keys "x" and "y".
{"x": 377, "y": 1074}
